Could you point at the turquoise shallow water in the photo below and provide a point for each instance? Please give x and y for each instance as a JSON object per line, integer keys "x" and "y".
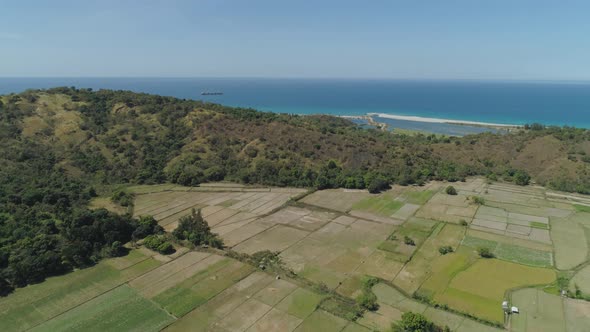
{"x": 496, "y": 102}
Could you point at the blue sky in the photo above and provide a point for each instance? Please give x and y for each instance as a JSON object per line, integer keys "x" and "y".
{"x": 456, "y": 39}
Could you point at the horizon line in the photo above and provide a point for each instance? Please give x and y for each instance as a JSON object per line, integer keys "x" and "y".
{"x": 506, "y": 80}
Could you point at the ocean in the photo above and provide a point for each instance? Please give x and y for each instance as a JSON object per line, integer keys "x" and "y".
{"x": 517, "y": 103}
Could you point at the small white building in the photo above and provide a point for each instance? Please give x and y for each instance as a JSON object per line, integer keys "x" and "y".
{"x": 514, "y": 310}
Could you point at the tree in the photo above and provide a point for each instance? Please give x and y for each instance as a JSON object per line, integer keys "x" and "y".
{"x": 123, "y": 197}
{"x": 377, "y": 185}
{"x": 521, "y": 178}
{"x": 367, "y": 300}
{"x": 445, "y": 250}
{"x": 194, "y": 229}
{"x": 159, "y": 244}
{"x": 414, "y": 322}
{"x": 485, "y": 252}
{"x": 409, "y": 241}
{"x": 146, "y": 225}
{"x": 451, "y": 190}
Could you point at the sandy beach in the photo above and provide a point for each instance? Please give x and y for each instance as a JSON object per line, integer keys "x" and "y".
{"x": 438, "y": 120}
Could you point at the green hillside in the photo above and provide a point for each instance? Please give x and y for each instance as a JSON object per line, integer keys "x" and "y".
{"x": 58, "y": 147}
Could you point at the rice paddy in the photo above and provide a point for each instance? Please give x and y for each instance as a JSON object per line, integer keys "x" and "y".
{"x": 333, "y": 238}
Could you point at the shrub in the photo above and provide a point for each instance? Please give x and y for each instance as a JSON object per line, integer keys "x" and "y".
{"x": 485, "y": 252}
{"x": 377, "y": 185}
{"x": 463, "y": 222}
{"x": 521, "y": 178}
{"x": 159, "y": 244}
{"x": 414, "y": 322}
{"x": 451, "y": 190}
{"x": 367, "y": 300}
{"x": 123, "y": 197}
{"x": 445, "y": 250}
{"x": 409, "y": 241}
{"x": 478, "y": 200}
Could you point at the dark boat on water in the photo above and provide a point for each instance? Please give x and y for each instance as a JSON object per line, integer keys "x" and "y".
{"x": 214, "y": 93}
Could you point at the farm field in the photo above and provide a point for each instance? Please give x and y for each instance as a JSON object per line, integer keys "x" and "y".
{"x": 582, "y": 280}
{"x": 465, "y": 291}
{"x": 222, "y": 205}
{"x": 332, "y": 239}
{"x": 59, "y": 294}
{"x": 393, "y": 302}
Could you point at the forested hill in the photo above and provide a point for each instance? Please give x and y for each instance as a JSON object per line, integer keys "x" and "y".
{"x": 57, "y": 145}
{"x": 120, "y": 137}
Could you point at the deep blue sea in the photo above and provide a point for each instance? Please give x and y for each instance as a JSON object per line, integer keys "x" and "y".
{"x": 552, "y": 103}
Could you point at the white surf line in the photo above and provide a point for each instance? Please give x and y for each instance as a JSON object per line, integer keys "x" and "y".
{"x": 439, "y": 120}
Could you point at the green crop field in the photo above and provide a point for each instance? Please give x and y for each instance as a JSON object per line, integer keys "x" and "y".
{"x": 415, "y": 229}
{"x": 203, "y": 286}
{"x": 581, "y": 208}
{"x": 418, "y": 197}
{"x": 121, "y": 309}
{"x": 384, "y": 205}
{"x": 59, "y": 294}
{"x": 480, "y": 289}
{"x": 300, "y": 303}
{"x": 512, "y": 253}
{"x": 444, "y": 269}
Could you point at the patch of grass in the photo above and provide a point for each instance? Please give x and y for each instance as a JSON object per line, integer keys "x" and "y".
{"x": 121, "y": 309}
{"x": 383, "y": 205}
{"x": 301, "y": 303}
{"x": 444, "y": 269}
{"x": 581, "y": 208}
{"x": 540, "y": 225}
{"x": 418, "y": 197}
{"x": 228, "y": 203}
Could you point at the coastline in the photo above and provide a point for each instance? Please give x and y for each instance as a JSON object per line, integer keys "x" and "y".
{"x": 429, "y": 124}
{"x": 440, "y": 120}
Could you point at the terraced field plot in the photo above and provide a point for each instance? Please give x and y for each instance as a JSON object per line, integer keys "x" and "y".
{"x": 539, "y": 311}
{"x": 257, "y": 302}
{"x": 335, "y": 237}
{"x": 222, "y": 206}
{"x": 416, "y": 230}
{"x": 57, "y": 295}
{"x": 518, "y": 225}
{"x": 336, "y": 199}
{"x": 393, "y": 303}
{"x": 480, "y": 288}
{"x": 571, "y": 244}
{"x": 120, "y": 309}
{"x": 512, "y": 253}
{"x": 335, "y": 251}
{"x": 416, "y": 271}
{"x": 448, "y": 208}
